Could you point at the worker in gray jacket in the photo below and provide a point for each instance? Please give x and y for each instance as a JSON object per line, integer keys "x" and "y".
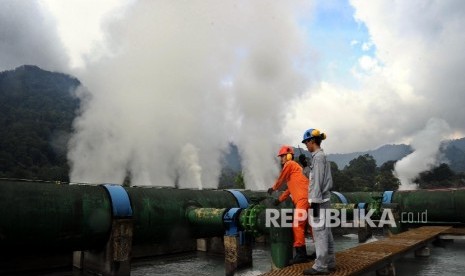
{"x": 319, "y": 195}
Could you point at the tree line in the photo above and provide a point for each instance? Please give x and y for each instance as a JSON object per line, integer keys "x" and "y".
{"x": 363, "y": 175}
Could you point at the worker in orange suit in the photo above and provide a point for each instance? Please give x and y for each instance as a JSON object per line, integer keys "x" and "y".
{"x": 297, "y": 187}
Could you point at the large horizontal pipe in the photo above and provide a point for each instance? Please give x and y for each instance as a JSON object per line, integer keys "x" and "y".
{"x": 50, "y": 216}
{"x": 358, "y": 197}
{"x": 160, "y": 213}
{"x": 440, "y": 205}
{"x": 55, "y": 217}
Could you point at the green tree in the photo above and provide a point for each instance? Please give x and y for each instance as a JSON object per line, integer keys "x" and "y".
{"x": 239, "y": 181}
{"x": 341, "y": 181}
{"x": 385, "y": 179}
{"x": 362, "y": 171}
{"x": 439, "y": 177}
{"x": 231, "y": 179}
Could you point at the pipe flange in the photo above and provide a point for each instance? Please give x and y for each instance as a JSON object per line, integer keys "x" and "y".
{"x": 341, "y": 197}
{"x": 240, "y": 198}
{"x": 120, "y": 202}
{"x": 230, "y": 220}
{"x": 249, "y": 219}
{"x": 387, "y": 197}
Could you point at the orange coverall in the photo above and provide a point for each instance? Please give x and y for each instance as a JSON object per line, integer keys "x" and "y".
{"x": 297, "y": 187}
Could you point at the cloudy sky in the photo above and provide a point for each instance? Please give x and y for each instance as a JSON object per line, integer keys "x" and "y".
{"x": 382, "y": 68}
{"x": 366, "y": 73}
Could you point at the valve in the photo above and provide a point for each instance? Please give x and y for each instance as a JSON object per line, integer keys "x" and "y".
{"x": 249, "y": 219}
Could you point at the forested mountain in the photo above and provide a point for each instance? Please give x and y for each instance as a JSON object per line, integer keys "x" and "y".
{"x": 381, "y": 155}
{"x": 452, "y": 152}
{"x": 37, "y": 108}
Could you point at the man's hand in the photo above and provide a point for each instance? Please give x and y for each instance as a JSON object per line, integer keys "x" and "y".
{"x": 270, "y": 191}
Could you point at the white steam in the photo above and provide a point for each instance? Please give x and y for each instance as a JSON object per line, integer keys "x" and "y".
{"x": 185, "y": 78}
{"x": 426, "y": 145}
{"x": 190, "y": 171}
{"x": 413, "y": 72}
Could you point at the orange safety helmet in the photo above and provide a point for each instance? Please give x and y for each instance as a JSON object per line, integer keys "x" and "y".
{"x": 285, "y": 150}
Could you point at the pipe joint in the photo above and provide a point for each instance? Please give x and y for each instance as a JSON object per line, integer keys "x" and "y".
{"x": 387, "y": 197}
{"x": 240, "y": 198}
{"x": 120, "y": 202}
{"x": 230, "y": 220}
{"x": 341, "y": 197}
{"x": 249, "y": 219}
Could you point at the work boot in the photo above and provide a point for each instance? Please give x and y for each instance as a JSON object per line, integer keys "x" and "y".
{"x": 312, "y": 271}
{"x": 300, "y": 255}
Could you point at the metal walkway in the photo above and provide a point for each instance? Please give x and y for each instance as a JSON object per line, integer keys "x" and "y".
{"x": 375, "y": 255}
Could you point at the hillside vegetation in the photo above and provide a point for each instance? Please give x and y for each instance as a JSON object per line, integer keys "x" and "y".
{"x": 37, "y": 108}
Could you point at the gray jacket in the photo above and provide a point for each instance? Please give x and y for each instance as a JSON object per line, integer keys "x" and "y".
{"x": 321, "y": 181}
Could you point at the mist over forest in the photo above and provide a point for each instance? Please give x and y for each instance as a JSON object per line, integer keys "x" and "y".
{"x": 38, "y": 107}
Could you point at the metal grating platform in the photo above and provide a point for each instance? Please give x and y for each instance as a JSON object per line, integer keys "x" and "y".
{"x": 372, "y": 256}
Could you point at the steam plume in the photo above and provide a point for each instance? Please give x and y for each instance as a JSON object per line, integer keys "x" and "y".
{"x": 426, "y": 146}
{"x": 413, "y": 74}
{"x": 182, "y": 81}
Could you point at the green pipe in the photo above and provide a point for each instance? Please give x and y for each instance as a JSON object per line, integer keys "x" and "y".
{"x": 281, "y": 246}
{"x": 358, "y": 197}
{"x": 335, "y": 199}
{"x": 78, "y": 217}
{"x": 253, "y": 220}
{"x": 204, "y": 219}
{"x": 53, "y": 217}
{"x": 160, "y": 213}
{"x": 348, "y": 209}
{"x": 255, "y": 196}
{"x": 437, "y": 205}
